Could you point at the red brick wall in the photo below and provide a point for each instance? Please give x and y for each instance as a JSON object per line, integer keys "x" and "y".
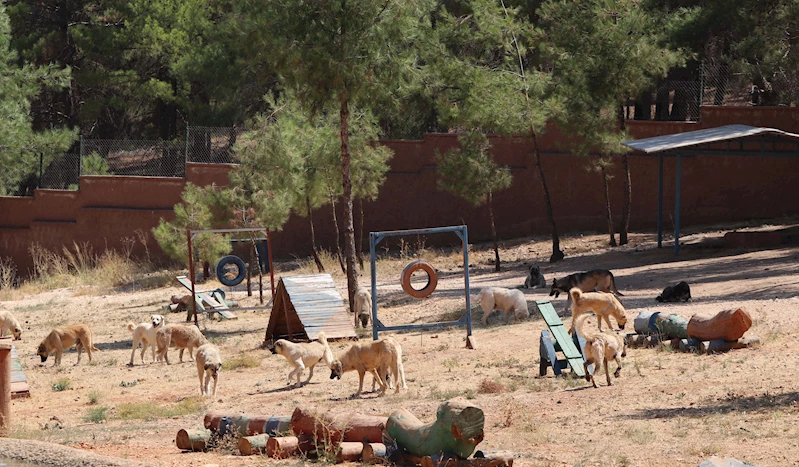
{"x": 107, "y": 209}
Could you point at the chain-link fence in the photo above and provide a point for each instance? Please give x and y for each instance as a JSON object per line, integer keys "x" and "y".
{"x": 716, "y": 83}
{"x": 211, "y": 144}
{"x": 149, "y": 158}
{"x": 63, "y": 173}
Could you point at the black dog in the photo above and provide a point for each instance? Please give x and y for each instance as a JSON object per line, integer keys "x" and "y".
{"x": 535, "y": 278}
{"x": 675, "y": 293}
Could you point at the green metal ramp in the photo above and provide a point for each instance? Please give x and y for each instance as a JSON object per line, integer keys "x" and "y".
{"x": 557, "y": 339}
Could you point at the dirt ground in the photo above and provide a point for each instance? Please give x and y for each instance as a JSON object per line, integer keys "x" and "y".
{"x": 666, "y": 409}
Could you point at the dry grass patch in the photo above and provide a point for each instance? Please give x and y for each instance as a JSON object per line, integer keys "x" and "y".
{"x": 151, "y": 411}
{"x": 242, "y": 360}
{"x": 490, "y": 387}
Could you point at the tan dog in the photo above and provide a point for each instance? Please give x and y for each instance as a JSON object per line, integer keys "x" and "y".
{"x": 363, "y": 306}
{"x": 60, "y": 339}
{"x": 179, "y": 336}
{"x": 9, "y": 323}
{"x": 303, "y": 355}
{"x": 602, "y": 304}
{"x": 506, "y": 300}
{"x": 209, "y": 362}
{"x": 144, "y": 334}
{"x": 372, "y": 357}
{"x": 600, "y": 347}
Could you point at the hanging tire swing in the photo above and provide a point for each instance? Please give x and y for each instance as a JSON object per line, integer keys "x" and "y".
{"x": 229, "y": 265}
{"x": 407, "y": 272}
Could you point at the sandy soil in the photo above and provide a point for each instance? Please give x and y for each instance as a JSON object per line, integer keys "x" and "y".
{"x": 668, "y": 408}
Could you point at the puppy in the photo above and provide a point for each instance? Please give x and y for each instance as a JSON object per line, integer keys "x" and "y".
{"x": 372, "y": 357}
{"x": 597, "y": 279}
{"x": 535, "y": 278}
{"x": 506, "y": 300}
{"x": 602, "y": 304}
{"x": 178, "y": 336}
{"x": 60, "y": 339}
{"x": 144, "y": 334}
{"x": 600, "y": 347}
{"x": 363, "y": 306}
{"x": 209, "y": 362}
{"x": 9, "y": 323}
{"x": 681, "y": 291}
{"x": 304, "y": 355}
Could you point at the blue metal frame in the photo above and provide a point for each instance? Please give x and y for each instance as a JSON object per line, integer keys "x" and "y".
{"x": 376, "y": 237}
{"x": 677, "y": 192}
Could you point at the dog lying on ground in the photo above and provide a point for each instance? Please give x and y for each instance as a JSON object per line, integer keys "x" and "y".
{"x": 60, "y": 339}
{"x": 600, "y": 348}
{"x": 372, "y": 357}
{"x": 209, "y": 362}
{"x": 535, "y": 278}
{"x": 506, "y": 300}
{"x": 602, "y": 304}
{"x": 144, "y": 334}
{"x": 180, "y": 336}
{"x": 597, "y": 279}
{"x": 681, "y": 291}
{"x": 363, "y": 306}
{"x": 9, "y": 323}
{"x": 304, "y": 355}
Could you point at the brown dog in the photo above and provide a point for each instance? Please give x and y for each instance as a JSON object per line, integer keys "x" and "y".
{"x": 178, "y": 336}
{"x": 602, "y": 304}
{"x": 600, "y": 347}
{"x": 209, "y": 362}
{"x": 373, "y": 357}
{"x": 60, "y": 339}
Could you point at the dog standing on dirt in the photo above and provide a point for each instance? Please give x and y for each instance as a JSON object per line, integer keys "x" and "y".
{"x": 209, "y": 362}
{"x": 180, "y": 336}
{"x": 304, "y": 355}
{"x": 363, "y": 306}
{"x": 600, "y": 348}
{"x": 373, "y": 357}
{"x": 506, "y": 300}
{"x": 60, "y": 339}
{"x": 9, "y": 323}
{"x": 535, "y": 278}
{"x": 604, "y": 305}
{"x": 681, "y": 291}
{"x": 145, "y": 334}
{"x": 600, "y": 280}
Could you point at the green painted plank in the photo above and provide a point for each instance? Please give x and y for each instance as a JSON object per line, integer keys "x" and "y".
{"x": 548, "y": 313}
{"x": 576, "y": 364}
{"x": 564, "y": 339}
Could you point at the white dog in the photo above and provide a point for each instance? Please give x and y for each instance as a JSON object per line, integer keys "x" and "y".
{"x": 144, "y": 334}
{"x": 209, "y": 362}
{"x": 304, "y": 355}
{"x": 363, "y": 306}
{"x": 9, "y": 323}
{"x": 506, "y": 300}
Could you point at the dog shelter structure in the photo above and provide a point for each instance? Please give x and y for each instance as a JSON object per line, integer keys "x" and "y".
{"x": 727, "y": 140}
{"x": 190, "y": 236}
{"x": 303, "y": 305}
{"x": 466, "y": 320}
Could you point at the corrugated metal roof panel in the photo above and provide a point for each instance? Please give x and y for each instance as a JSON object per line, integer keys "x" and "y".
{"x": 693, "y": 138}
{"x": 318, "y": 306}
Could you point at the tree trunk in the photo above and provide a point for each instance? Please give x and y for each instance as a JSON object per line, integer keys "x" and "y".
{"x": 607, "y": 204}
{"x": 628, "y": 190}
{"x": 338, "y": 233}
{"x": 359, "y": 244}
{"x": 349, "y": 235}
{"x": 493, "y": 231}
{"x": 557, "y": 253}
{"x": 319, "y": 266}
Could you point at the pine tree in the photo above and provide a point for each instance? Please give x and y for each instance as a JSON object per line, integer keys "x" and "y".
{"x": 20, "y": 146}
{"x": 471, "y": 173}
{"x": 343, "y": 52}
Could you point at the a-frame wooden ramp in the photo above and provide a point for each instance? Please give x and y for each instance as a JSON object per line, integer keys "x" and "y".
{"x": 306, "y": 304}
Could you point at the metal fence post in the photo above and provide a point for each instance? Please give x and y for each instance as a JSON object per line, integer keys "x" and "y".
{"x": 80, "y": 158}
{"x": 41, "y": 167}
{"x": 186, "y": 155}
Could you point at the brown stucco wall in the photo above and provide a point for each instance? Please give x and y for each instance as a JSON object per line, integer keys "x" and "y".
{"x": 108, "y": 210}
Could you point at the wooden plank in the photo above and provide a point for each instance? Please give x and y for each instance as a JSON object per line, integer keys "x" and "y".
{"x": 548, "y": 313}
{"x": 564, "y": 339}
